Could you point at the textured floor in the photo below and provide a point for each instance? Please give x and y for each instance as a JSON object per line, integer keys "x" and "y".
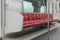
{"x": 54, "y": 35}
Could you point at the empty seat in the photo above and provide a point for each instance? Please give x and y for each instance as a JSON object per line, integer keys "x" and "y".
{"x": 32, "y": 19}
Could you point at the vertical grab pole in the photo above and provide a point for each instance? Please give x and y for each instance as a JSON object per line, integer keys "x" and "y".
{"x": 48, "y": 19}
{"x": 3, "y": 18}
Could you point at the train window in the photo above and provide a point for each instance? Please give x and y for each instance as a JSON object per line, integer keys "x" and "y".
{"x": 43, "y": 9}
{"x": 27, "y": 6}
{"x": 31, "y": 6}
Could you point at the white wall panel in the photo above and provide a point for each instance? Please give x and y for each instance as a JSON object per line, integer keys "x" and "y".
{"x": 14, "y": 20}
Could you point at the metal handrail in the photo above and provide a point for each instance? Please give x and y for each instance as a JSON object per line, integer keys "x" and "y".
{"x": 48, "y": 20}
{"x": 3, "y": 18}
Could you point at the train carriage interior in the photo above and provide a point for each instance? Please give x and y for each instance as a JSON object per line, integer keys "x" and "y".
{"x": 29, "y": 19}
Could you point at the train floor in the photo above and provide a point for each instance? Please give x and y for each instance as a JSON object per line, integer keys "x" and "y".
{"x": 53, "y": 35}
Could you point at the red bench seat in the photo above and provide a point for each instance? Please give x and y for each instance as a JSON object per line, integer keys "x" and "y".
{"x": 31, "y": 19}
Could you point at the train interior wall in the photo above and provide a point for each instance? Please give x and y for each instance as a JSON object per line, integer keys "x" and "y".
{"x": 17, "y": 11}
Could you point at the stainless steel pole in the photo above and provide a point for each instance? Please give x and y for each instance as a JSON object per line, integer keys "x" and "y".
{"x": 48, "y": 19}
{"x": 3, "y": 18}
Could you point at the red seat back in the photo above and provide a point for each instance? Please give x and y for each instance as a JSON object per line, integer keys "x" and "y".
{"x": 31, "y": 16}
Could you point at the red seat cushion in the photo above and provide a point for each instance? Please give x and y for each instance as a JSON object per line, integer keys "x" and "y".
{"x": 31, "y": 17}
{"x": 35, "y": 19}
{"x": 31, "y": 23}
{"x": 46, "y": 18}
